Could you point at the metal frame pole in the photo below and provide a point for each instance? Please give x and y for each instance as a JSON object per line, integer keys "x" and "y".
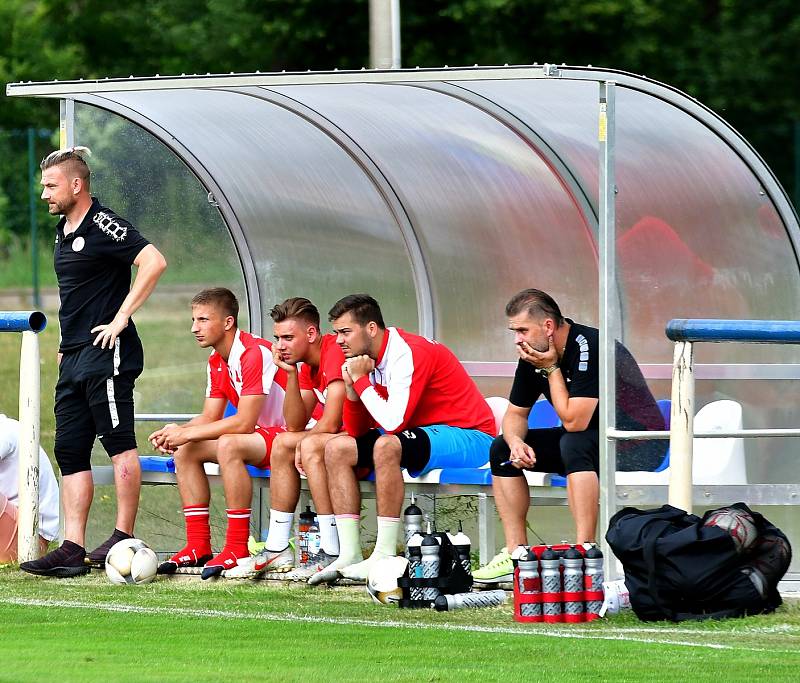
{"x": 609, "y": 314}
{"x": 384, "y": 34}
{"x": 28, "y": 515}
{"x": 681, "y": 439}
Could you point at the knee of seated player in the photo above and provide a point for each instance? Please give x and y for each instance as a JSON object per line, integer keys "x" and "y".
{"x": 387, "y": 451}
{"x": 312, "y": 450}
{"x": 499, "y": 452}
{"x": 340, "y": 452}
{"x": 188, "y": 452}
{"x": 228, "y": 449}
{"x": 282, "y": 450}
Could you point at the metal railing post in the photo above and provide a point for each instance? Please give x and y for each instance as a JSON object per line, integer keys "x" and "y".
{"x": 682, "y": 427}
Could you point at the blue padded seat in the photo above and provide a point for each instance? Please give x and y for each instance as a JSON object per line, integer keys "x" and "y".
{"x": 157, "y": 463}
{"x": 465, "y": 475}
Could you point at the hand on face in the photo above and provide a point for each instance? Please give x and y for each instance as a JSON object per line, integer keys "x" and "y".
{"x": 539, "y": 359}
{"x": 359, "y": 366}
{"x": 282, "y": 364}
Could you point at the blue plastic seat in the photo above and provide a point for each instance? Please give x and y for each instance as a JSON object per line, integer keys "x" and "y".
{"x": 543, "y": 416}
{"x": 157, "y": 463}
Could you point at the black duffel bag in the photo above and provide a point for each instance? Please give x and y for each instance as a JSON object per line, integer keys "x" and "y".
{"x": 678, "y": 568}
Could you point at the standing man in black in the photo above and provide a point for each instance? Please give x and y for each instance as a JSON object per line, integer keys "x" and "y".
{"x": 100, "y": 355}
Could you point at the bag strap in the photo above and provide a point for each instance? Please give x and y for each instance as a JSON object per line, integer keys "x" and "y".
{"x": 649, "y": 554}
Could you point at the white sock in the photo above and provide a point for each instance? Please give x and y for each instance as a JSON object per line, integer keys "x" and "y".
{"x": 329, "y": 536}
{"x": 280, "y": 528}
{"x": 388, "y": 533}
{"x": 349, "y": 540}
{"x": 385, "y": 546}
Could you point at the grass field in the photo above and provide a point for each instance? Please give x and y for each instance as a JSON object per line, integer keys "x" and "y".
{"x": 88, "y": 629}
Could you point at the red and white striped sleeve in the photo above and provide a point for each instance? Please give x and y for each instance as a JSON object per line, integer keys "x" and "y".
{"x": 258, "y": 370}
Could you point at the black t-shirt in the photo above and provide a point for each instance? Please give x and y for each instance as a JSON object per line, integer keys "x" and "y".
{"x": 93, "y": 267}
{"x": 580, "y": 365}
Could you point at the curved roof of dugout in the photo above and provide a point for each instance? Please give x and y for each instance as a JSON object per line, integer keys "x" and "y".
{"x": 443, "y": 191}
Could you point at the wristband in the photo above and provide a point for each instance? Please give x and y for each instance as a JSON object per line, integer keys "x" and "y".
{"x": 546, "y": 372}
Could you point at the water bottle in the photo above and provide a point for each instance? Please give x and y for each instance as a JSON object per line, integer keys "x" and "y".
{"x": 551, "y": 586}
{"x": 573, "y": 585}
{"x": 527, "y": 589}
{"x": 461, "y": 543}
{"x": 462, "y": 600}
{"x": 414, "y": 555}
{"x": 593, "y": 582}
{"x": 412, "y": 520}
{"x": 303, "y": 526}
{"x": 314, "y": 542}
{"x": 430, "y": 564}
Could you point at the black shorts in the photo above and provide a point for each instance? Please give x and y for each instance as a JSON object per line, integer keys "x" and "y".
{"x": 94, "y": 398}
{"x": 556, "y": 449}
{"x": 415, "y": 444}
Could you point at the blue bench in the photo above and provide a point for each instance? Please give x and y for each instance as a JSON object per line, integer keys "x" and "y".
{"x": 546, "y": 489}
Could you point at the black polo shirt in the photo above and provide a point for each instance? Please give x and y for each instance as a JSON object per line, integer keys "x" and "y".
{"x": 637, "y": 410}
{"x": 93, "y": 267}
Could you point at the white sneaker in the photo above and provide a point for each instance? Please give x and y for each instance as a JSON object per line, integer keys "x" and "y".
{"x": 244, "y": 569}
{"x": 321, "y": 560}
{"x": 360, "y": 570}
{"x": 278, "y": 561}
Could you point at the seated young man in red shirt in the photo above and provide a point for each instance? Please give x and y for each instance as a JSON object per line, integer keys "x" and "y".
{"x": 409, "y": 403}
{"x": 240, "y": 370}
{"x": 314, "y": 395}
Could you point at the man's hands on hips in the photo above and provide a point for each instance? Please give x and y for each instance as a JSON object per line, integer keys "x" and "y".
{"x": 108, "y": 333}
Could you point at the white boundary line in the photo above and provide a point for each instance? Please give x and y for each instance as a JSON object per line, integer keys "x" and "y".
{"x": 551, "y": 632}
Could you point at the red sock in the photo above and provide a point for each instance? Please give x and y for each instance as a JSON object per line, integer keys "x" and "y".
{"x": 198, "y": 536}
{"x": 235, "y": 539}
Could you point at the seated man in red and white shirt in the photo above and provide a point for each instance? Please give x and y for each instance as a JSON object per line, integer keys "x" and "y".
{"x": 314, "y": 389}
{"x": 240, "y": 370}
{"x": 409, "y": 403}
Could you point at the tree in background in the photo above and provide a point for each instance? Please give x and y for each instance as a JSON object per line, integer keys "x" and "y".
{"x": 736, "y": 57}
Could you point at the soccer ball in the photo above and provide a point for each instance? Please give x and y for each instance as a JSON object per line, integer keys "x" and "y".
{"x": 382, "y": 580}
{"x": 738, "y": 523}
{"x": 131, "y": 561}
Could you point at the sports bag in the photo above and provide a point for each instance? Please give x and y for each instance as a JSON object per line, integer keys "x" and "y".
{"x": 678, "y": 568}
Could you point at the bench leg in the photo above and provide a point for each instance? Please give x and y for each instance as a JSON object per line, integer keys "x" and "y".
{"x": 486, "y": 524}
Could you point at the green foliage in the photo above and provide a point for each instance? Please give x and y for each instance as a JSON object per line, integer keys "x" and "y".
{"x": 736, "y": 57}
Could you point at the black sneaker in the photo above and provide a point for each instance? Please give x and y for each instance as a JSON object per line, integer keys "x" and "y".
{"x": 97, "y": 558}
{"x": 68, "y": 560}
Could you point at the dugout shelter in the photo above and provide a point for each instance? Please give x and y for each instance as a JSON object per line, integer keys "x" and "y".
{"x": 442, "y": 192}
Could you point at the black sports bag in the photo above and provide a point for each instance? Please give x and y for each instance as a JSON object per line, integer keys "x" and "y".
{"x": 678, "y": 568}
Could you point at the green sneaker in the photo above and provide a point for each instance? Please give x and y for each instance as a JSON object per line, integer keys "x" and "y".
{"x": 500, "y": 569}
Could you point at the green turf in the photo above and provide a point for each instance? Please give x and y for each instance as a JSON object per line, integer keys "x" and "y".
{"x": 88, "y": 629}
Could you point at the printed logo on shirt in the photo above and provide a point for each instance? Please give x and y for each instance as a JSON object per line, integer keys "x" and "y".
{"x": 583, "y": 345}
{"x": 110, "y": 226}
{"x": 78, "y": 244}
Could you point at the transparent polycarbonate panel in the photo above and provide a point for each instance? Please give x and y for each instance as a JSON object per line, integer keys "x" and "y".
{"x": 490, "y": 215}
{"x": 696, "y": 234}
{"x": 141, "y": 179}
{"x": 314, "y": 222}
